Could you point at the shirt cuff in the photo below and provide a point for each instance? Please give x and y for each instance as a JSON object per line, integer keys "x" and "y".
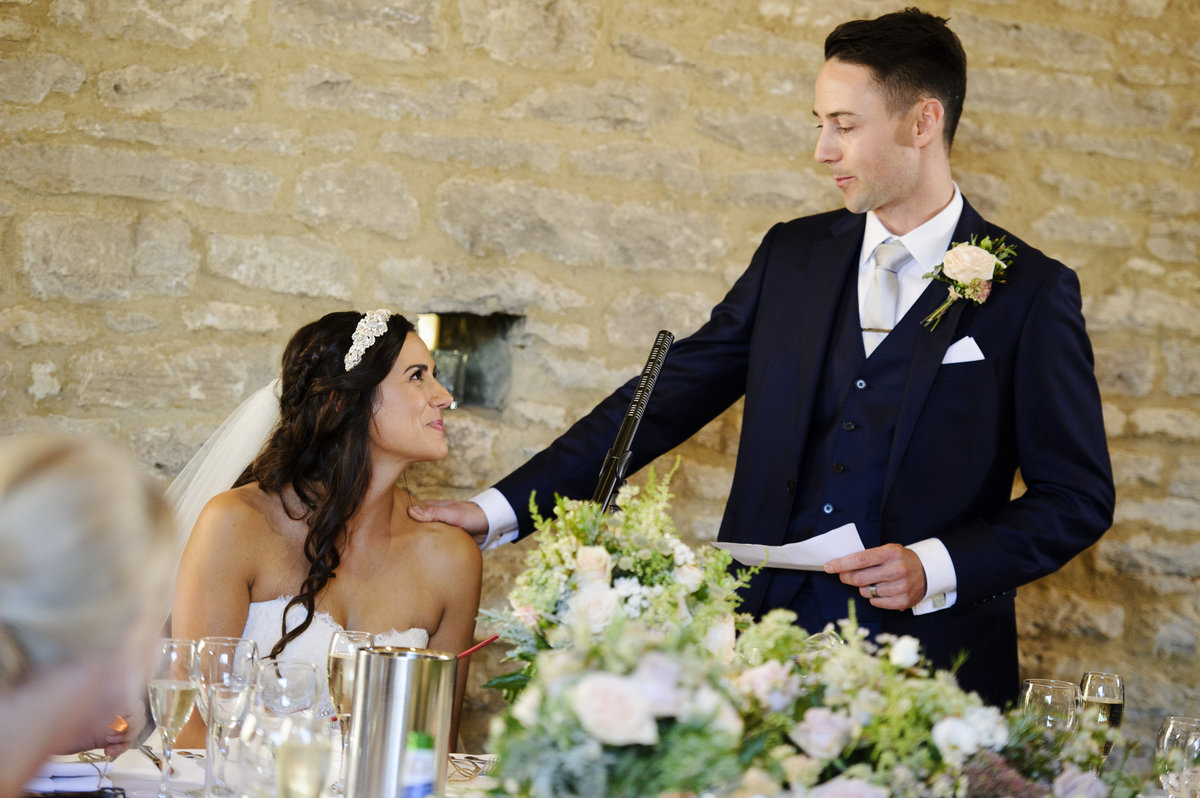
{"x": 502, "y": 520}
{"x": 941, "y": 582}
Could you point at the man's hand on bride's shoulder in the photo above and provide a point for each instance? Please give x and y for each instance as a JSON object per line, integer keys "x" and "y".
{"x": 467, "y": 515}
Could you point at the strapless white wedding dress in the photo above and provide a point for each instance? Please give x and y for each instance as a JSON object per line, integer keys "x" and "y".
{"x": 263, "y": 627}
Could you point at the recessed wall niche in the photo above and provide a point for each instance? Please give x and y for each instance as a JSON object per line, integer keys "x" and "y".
{"x": 471, "y": 354}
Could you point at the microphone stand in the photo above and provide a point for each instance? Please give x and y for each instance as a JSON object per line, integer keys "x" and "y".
{"x": 612, "y": 474}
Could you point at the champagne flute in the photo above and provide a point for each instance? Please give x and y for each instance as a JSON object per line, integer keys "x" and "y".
{"x": 343, "y": 648}
{"x": 1104, "y": 703}
{"x": 172, "y": 695}
{"x": 303, "y": 756}
{"x": 1176, "y": 751}
{"x": 1054, "y": 703}
{"x": 225, "y": 672}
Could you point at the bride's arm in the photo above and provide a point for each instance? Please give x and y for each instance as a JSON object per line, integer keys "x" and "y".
{"x": 212, "y": 587}
{"x": 458, "y": 567}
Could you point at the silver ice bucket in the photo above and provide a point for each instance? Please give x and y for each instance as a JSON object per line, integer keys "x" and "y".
{"x": 401, "y": 696}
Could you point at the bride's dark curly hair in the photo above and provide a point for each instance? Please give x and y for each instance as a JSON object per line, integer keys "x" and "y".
{"x": 320, "y": 447}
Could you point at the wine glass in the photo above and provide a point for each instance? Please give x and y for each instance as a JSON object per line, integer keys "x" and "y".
{"x": 303, "y": 756}
{"x": 225, "y": 672}
{"x": 1103, "y": 703}
{"x": 1176, "y": 751}
{"x": 343, "y": 648}
{"x": 172, "y": 695}
{"x": 1054, "y": 703}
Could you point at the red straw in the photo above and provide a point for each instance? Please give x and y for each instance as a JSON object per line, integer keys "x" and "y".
{"x": 478, "y": 646}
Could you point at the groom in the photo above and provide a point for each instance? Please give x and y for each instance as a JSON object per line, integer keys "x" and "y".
{"x": 856, "y": 412}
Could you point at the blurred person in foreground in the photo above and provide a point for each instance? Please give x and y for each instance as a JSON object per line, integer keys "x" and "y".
{"x": 314, "y": 535}
{"x": 873, "y": 395}
{"x": 85, "y": 542}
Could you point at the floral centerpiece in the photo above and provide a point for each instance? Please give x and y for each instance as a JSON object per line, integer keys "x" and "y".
{"x": 645, "y": 692}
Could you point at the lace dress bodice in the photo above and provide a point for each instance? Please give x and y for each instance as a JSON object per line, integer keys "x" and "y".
{"x": 263, "y": 627}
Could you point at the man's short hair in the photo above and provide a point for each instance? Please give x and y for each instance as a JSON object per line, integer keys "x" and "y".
{"x": 912, "y": 55}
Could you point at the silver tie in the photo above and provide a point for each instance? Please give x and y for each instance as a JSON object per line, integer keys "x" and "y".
{"x": 879, "y": 305}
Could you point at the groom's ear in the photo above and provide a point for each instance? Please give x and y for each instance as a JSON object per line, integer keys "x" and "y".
{"x": 929, "y": 120}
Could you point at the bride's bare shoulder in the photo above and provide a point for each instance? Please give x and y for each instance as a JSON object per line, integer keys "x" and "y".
{"x": 244, "y": 513}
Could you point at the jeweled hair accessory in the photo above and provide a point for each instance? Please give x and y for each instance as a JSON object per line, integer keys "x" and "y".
{"x": 372, "y": 325}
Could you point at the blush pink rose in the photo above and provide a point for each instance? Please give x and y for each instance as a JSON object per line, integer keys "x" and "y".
{"x": 593, "y": 564}
{"x": 614, "y": 710}
{"x": 967, "y": 262}
{"x": 823, "y": 733}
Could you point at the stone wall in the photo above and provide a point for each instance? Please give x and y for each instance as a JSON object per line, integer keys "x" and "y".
{"x": 183, "y": 184}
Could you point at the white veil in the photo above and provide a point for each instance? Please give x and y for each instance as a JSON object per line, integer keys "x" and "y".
{"x": 222, "y": 459}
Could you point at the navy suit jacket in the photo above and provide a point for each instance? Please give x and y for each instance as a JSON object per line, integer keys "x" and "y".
{"x": 963, "y": 429}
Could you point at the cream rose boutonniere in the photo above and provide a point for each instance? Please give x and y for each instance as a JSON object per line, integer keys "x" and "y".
{"x": 970, "y": 268}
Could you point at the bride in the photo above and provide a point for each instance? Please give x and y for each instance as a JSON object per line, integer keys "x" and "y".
{"x": 315, "y": 534}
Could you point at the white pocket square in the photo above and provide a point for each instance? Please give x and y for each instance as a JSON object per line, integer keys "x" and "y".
{"x": 964, "y": 350}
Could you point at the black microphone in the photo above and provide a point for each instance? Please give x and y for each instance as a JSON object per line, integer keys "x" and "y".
{"x": 612, "y": 474}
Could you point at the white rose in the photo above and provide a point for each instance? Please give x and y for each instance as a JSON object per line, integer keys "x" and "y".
{"x": 905, "y": 651}
{"x": 967, "y": 262}
{"x": 528, "y": 616}
{"x": 707, "y": 704}
{"x": 690, "y": 576}
{"x": 847, "y": 788}
{"x": 658, "y": 676}
{"x": 593, "y": 606}
{"x": 756, "y": 781}
{"x": 823, "y": 733}
{"x": 772, "y": 683}
{"x": 613, "y": 709}
{"x": 955, "y": 739}
{"x": 593, "y": 564}
{"x": 1074, "y": 783}
{"x": 720, "y": 638}
{"x": 525, "y": 709}
{"x": 989, "y": 724}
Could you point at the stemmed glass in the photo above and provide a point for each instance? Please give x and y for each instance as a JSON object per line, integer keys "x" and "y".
{"x": 283, "y": 689}
{"x": 1103, "y": 703}
{"x": 1054, "y": 703}
{"x": 1176, "y": 751}
{"x": 173, "y": 691}
{"x": 303, "y": 756}
{"x": 343, "y": 648}
{"x": 225, "y": 671}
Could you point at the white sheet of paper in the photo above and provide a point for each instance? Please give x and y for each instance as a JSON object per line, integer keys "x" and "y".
{"x": 804, "y": 555}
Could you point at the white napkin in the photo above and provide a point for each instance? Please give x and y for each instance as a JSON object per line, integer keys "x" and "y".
{"x": 70, "y": 775}
{"x": 804, "y": 555}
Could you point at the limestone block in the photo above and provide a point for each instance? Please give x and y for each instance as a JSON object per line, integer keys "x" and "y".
{"x": 42, "y": 382}
{"x": 653, "y": 52}
{"x": 452, "y": 288}
{"x": 759, "y": 43}
{"x": 15, "y": 30}
{"x": 231, "y": 316}
{"x": 104, "y": 428}
{"x": 5, "y": 374}
{"x": 394, "y": 30}
{"x": 1071, "y": 186}
{"x": 1067, "y": 614}
{"x": 167, "y": 448}
{"x": 1174, "y": 513}
{"x": 370, "y": 195}
{"x": 1144, "y": 555}
{"x": 179, "y": 23}
{"x": 339, "y": 141}
{"x": 30, "y": 328}
{"x": 990, "y": 39}
{"x": 15, "y": 121}
{"x": 141, "y": 175}
{"x": 988, "y": 194}
{"x": 1183, "y": 367}
{"x": 1165, "y": 198}
{"x": 571, "y": 336}
{"x": 532, "y": 33}
{"x": 1133, "y": 147}
{"x": 146, "y": 377}
{"x": 799, "y": 193}
{"x": 1175, "y": 635}
{"x": 704, "y": 481}
{"x": 1066, "y": 224}
{"x": 1151, "y": 9}
{"x": 284, "y": 264}
{"x": 1132, "y": 468}
{"x": 28, "y": 79}
{"x": 477, "y": 150}
{"x": 1125, "y": 370}
{"x": 561, "y": 372}
{"x": 330, "y": 89}
{"x": 519, "y": 217}
{"x": 1144, "y": 310}
{"x": 759, "y": 132}
{"x": 635, "y": 317}
{"x": 604, "y": 106}
{"x": 131, "y": 323}
{"x": 1070, "y": 97}
{"x": 550, "y": 415}
{"x": 677, "y": 169}
{"x": 106, "y": 258}
{"x": 1174, "y": 241}
{"x": 267, "y": 138}
{"x": 137, "y": 89}
{"x": 1181, "y": 425}
{"x": 1186, "y": 480}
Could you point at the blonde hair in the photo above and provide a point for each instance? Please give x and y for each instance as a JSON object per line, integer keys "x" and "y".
{"x": 85, "y": 541}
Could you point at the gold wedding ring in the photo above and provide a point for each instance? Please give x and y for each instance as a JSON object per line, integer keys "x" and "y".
{"x": 874, "y": 592}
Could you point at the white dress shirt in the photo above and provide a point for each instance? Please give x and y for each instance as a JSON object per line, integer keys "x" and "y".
{"x": 926, "y": 245}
